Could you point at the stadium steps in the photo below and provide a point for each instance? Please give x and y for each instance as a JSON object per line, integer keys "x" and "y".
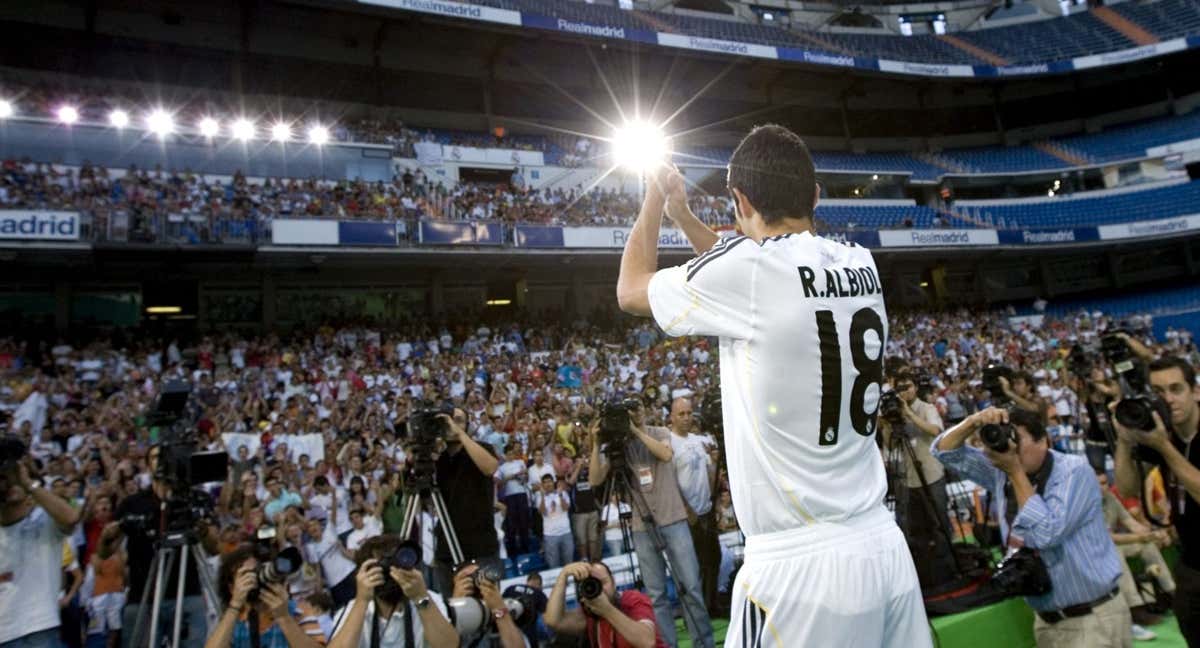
{"x": 946, "y": 164}
{"x": 974, "y": 50}
{"x": 1125, "y": 26}
{"x": 1062, "y": 152}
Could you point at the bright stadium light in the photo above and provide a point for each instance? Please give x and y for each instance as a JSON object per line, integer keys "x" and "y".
{"x": 67, "y": 115}
{"x": 118, "y": 118}
{"x": 209, "y": 127}
{"x": 318, "y": 135}
{"x": 243, "y": 129}
{"x": 160, "y": 122}
{"x": 6, "y": 109}
{"x": 281, "y": 132}
{"x": 639, "y": 146}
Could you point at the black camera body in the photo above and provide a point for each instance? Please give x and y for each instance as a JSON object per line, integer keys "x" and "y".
{"x": 425, "y": 428}
{"x": 1023, "y": 574}
{"x": 998, "y": 436}
{"x": 614, "y": 423}
{"x": 891, "y": 409}
{"x": 1080, "y": 362}
{"x": 274, "y": 567}
{"x": 991, "y": 381}
{"x": 1138, "y": 401}
{"x": 12, "y": 450}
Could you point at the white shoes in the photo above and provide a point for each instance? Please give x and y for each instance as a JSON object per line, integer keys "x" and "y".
{"x": 1142, "y": 634}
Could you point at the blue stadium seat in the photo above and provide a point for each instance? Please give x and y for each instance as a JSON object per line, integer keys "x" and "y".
{"x": 1148, "y": 204}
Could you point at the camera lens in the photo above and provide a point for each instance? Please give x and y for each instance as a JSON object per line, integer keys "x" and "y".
{"x": 996, "y": 436}
{"x": 281, "y": 567}
{"x": 406, "y": 557}
{"x": 1136, "y": 413}
{"x": 589, "y": 588}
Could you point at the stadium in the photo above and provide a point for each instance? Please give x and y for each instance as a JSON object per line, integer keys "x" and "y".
{"x": 323, "y": 216}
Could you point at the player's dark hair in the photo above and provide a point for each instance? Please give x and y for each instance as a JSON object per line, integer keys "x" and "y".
{"x": 1170, "y": 362}
{"x": 1031, "y": 421}
{"x": 774, "y": 170}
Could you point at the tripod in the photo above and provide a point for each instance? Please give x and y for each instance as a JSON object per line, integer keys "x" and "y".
{"x": 426, "y": 490}
{"x": 901, "y": 438}
{"x": 156, "y": 585}
{"x": 620, "y": 483}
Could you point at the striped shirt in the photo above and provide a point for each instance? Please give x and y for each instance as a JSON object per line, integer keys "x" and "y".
{"x": 1066, "y": 524}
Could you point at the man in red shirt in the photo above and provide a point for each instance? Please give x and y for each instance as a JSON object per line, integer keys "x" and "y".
{"x": 608, "y": 620}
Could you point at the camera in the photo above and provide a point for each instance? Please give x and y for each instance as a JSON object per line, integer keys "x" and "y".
{"x": 1079, "y": 362}
{"x": 425, "y": 428}
{"x": 1022, "y": 574}
{"x": 998, "y": 436}
{"x": 991, "y": 381}
{"x": 12, "y": 450}
{"x": 489, "y": 570}
{"x": 407, "y": 556}
{"x": 891, "y": 409}
{"x": 1138, "y": 402}
{"x": 588, "y": 588}
{"x": 614, "y": 422}
{"x": 273, "y": 567}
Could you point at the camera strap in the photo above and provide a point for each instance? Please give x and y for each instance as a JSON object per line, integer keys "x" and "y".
{"x": 1039, "y": 479}
{"x": 252, "y": 626}
{"x": 376, "y": 632}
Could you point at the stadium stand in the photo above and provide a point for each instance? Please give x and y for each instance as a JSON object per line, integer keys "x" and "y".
{"x": 1131, "y": 140}
{"x": 1007, "y": 159}
{"x": 1174, "y": 198}
{"x": 1163, "y": 18}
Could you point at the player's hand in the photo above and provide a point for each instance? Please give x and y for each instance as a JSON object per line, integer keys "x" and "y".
{"x": 243, "y": 584}
{"x": 411, "y": 582}
{"x": 670, "y": 181}
{"x": 369, "y": 577}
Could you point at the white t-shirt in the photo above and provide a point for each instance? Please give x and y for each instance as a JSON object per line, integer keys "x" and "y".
{"x": 556, "y": 520}
{"x": 31, "y": 555}
{"x": 391, "y": 631}
{"x": 510, "y": 473}
{"x": 327, "y": 552}
{"x": 802, "y": 329}
{"x": 610, "y": 518}
{"x": 691, "y": 471}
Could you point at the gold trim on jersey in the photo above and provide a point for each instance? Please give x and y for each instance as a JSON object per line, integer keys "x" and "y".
{"x": 766, "y": 617}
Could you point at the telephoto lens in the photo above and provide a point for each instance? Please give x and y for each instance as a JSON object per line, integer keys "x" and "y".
{"x": 589, "y": 588}
{"x": 406, "y": 557}
{"x": 1136, "y": 413}
{"x": 281, "y": 567}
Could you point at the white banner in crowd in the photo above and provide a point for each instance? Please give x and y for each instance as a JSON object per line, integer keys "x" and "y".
{"x": 614, "y": 237}
{"x": 1150, "y": 228}
{"x": 39, "y": 225}
{"x": 937, "y": 238}
{"x": 312, "y": 445}
{"x": 501, "y": 156}
{"x": 428, "y": 153}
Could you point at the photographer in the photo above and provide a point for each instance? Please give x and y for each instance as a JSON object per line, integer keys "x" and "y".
{"x": 393, "y": 609}
{"x": 916, "y": 424}
{"x": 1174, "y": 381}
{"x": 464, "y": 475}
{"x": 610, "y": 620}
{"x": 1049, "y": 507}
{"x": 502, "y": 632}
{"x": 34, "y": 523}
{"x": 648, "y": 455}
{"x": 253, "y": 606}
{"x": 141, "y": 514}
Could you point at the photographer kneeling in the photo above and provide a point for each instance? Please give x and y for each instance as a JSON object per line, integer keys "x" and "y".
{"x": 1049, "y": 504}
{"x": 1173, "y": 381}
{"x": 254, "y": 606}
{"x": 610, "y": 620}
{"x": 392, "y": 607}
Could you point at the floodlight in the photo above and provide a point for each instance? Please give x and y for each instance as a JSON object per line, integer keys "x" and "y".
{"x": 209, "y": 127}
{"x": 243, "y": 129}
{"x": 160, "y": 122}
{"x": 118, "y": 118}
{"x": 6, "y": 109}
{"x": 318, "y": 135}
{"x": 639, "y": 146}
{"x": 281, "y": 132}
{"x": 67, "y": 115}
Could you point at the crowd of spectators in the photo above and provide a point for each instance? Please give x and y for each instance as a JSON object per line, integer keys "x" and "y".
{"x": 148, "y": 199}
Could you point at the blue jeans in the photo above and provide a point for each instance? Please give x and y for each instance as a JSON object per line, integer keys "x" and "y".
{"x": 192, "y": 635}
{"x": 685, "y": 569}
{"x": 42, "y": 639}
{"x": 560, "y": 549}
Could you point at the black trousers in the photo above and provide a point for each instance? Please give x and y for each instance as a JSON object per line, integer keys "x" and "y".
{"x": 1187, "y": 603}
{"x": 708, "y": 554}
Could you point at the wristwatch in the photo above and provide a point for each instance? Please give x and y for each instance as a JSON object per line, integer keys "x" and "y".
{"x": 423, "y": 602}
{"x": 500, "y": 614}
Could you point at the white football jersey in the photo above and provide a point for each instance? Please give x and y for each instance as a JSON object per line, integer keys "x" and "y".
{"x": 802, "y": 328}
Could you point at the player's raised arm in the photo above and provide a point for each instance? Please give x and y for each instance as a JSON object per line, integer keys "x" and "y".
{"x": 698, "y": 234}
{"x": 640, "y": 258}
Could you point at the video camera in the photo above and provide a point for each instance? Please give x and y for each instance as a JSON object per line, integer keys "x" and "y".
{"x": 1138, "y": 401}
{"x": 991, "y": 381}
{"x": 425, "y": 428}
{"x": 12, "y": 450}
{"x": 891, "y": 409}
{"x": 614, "y": 424}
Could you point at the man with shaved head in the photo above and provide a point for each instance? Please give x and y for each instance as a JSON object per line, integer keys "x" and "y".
{"x": 697, "y": 476}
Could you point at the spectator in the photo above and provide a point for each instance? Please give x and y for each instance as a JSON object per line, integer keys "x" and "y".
{"x": 513, "y": 475}
{"x": 108, "y": 590}
{"x": 585, "y": 514}
{"x": 554, "y": 504}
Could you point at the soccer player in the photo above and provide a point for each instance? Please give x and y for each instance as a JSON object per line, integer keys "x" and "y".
{"x": 802, "y": 327}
